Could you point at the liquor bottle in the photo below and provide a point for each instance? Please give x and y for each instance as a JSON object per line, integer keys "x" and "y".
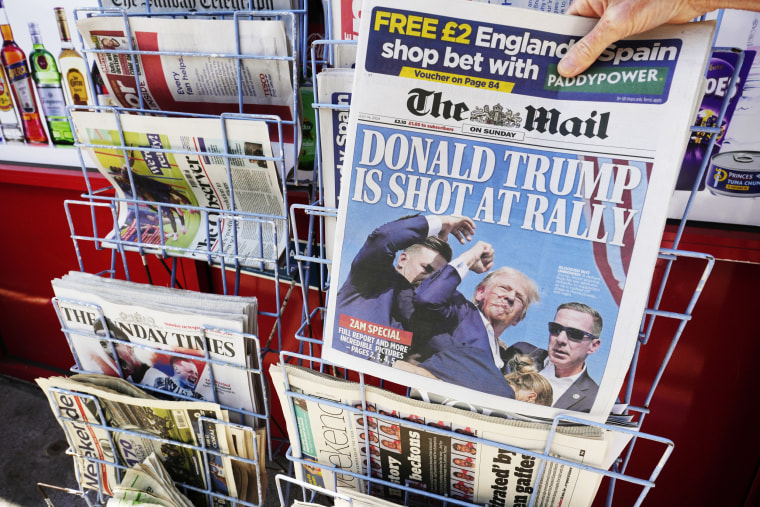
{"x": 101, "y": 91}
{"x": 20, "y": 80}
{"x": 48, "y": 80}
{"x": 10, "y": 127}
{"x": 72, "y": 65}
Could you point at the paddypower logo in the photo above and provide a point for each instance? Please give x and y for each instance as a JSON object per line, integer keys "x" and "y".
{"x": 648, "y": 76}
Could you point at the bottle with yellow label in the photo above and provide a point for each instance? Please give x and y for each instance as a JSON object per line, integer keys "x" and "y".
{"x": 72, "y": 66}
{"x": 10, "y": 128}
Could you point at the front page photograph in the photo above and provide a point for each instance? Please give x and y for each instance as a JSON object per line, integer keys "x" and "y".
{"x": 496, "y": 218}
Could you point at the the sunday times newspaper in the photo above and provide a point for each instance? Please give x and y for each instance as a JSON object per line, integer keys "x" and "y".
{"x": 566, "y": 181}
{"x": 180, "y": 163}
{"x": 396, "y": 443}
{"x": 169, "y": 341}
{"x": 141, "y": 427}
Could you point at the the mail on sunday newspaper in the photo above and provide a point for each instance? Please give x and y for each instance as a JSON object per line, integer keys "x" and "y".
{"x": 567, "y": 181}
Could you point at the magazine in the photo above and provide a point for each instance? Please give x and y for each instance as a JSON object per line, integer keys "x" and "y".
{"x": 557, "y": 190}
{"x": 165, "y": 168}
{"x": 170, "y": 77}
{"x": 475, "y": 458}
{"x": 124, "y": 430}
{"x": 208, "y": 354}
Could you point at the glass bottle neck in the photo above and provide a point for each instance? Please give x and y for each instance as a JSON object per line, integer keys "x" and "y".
{"x": 7, "y": 32}
{"x": 34, "y": 32}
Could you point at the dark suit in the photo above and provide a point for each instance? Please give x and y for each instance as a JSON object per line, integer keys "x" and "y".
{"x": 449, "y": 332}
{"x": 580, "y": 396}
{"x": 374, "y": 291}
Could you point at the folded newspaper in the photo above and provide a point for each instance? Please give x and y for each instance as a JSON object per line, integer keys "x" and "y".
{"x": 479, "y": 459}
{"x": 176, "y": 70}
{"x": 148, "y": 483}
{"x": 173, "y": 342}
{"x": 118, "y": 429}
{"x": 461, "y": 127}
{"x": 165, "y": 168}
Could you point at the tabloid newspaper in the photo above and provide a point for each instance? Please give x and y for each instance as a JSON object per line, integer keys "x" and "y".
{"x": 201, "y": 78}
{"x": 396, "y": 444}
{"x": 159, "y": 338}
{"x": 180, "y": 163}
{"x": 146, "y": 426}
{"x": 334, "y": 88}
{"x": 567, "y": 181}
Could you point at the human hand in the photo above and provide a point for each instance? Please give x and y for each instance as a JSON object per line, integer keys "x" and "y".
{"x": 461, "y": 228}
{"x": 480, "y": 257}
{"x": 619, "y": 19}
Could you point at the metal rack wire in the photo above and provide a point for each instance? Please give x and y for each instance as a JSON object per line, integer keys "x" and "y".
{"x": 309, "y": 258}
{"x": 656, "y": 311}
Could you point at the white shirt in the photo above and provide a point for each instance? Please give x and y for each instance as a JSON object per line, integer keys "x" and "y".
{"x": 559, "y": 385}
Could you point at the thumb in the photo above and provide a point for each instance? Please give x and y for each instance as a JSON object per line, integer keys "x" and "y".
{"x": 587, "y": 50}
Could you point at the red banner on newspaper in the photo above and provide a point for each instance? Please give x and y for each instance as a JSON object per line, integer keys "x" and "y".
{"x": 363, "y": 327}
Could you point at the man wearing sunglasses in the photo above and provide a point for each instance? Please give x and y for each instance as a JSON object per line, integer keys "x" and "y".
{"x": 574, "y": 334}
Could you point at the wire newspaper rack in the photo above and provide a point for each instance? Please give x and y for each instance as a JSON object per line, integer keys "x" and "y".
{"x": 90, "y": 470}
{"x": 103, "y": 207}
{"x": 372, "y": 480}
{"x": 638, "y": 391}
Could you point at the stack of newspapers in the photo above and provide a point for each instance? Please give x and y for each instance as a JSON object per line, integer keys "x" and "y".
{"x": 173, "y": 342}
{"x": 360, "y": 438}
{"x": 148, "y": 483}
{"x": 189, "y": 181}
{"x": 111, "y": 425}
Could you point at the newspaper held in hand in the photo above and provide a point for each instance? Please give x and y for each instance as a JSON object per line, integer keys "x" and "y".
{"x": 168, "y": 185}
{"x": 186, "y": 82}
{"x": 477, "y": 459}
{"x": 161, "y": 337}
{"x": 138, "y": 427}
{"x": 558, "y": 189}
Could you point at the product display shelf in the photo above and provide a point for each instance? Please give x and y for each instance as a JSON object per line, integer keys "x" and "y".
{"x": 100, "y": 202}
{"x": 108, "y": 342}
{"x": 416, "y": 495}
{"x": 658, "y": 323}
{"x": 95, "y": 494}
{"x": 102, "y": 206}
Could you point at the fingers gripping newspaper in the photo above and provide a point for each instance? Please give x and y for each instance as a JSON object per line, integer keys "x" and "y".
{"x": 458, "y": 116}
{"x": 393, "y": 445}
{"x": 147, "y": 426}
{"x": 170, "y": 165}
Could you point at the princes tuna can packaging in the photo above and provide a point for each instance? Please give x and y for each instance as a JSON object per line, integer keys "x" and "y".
{"x": 735, "y": 173}
{"x": 722, "y": 67}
